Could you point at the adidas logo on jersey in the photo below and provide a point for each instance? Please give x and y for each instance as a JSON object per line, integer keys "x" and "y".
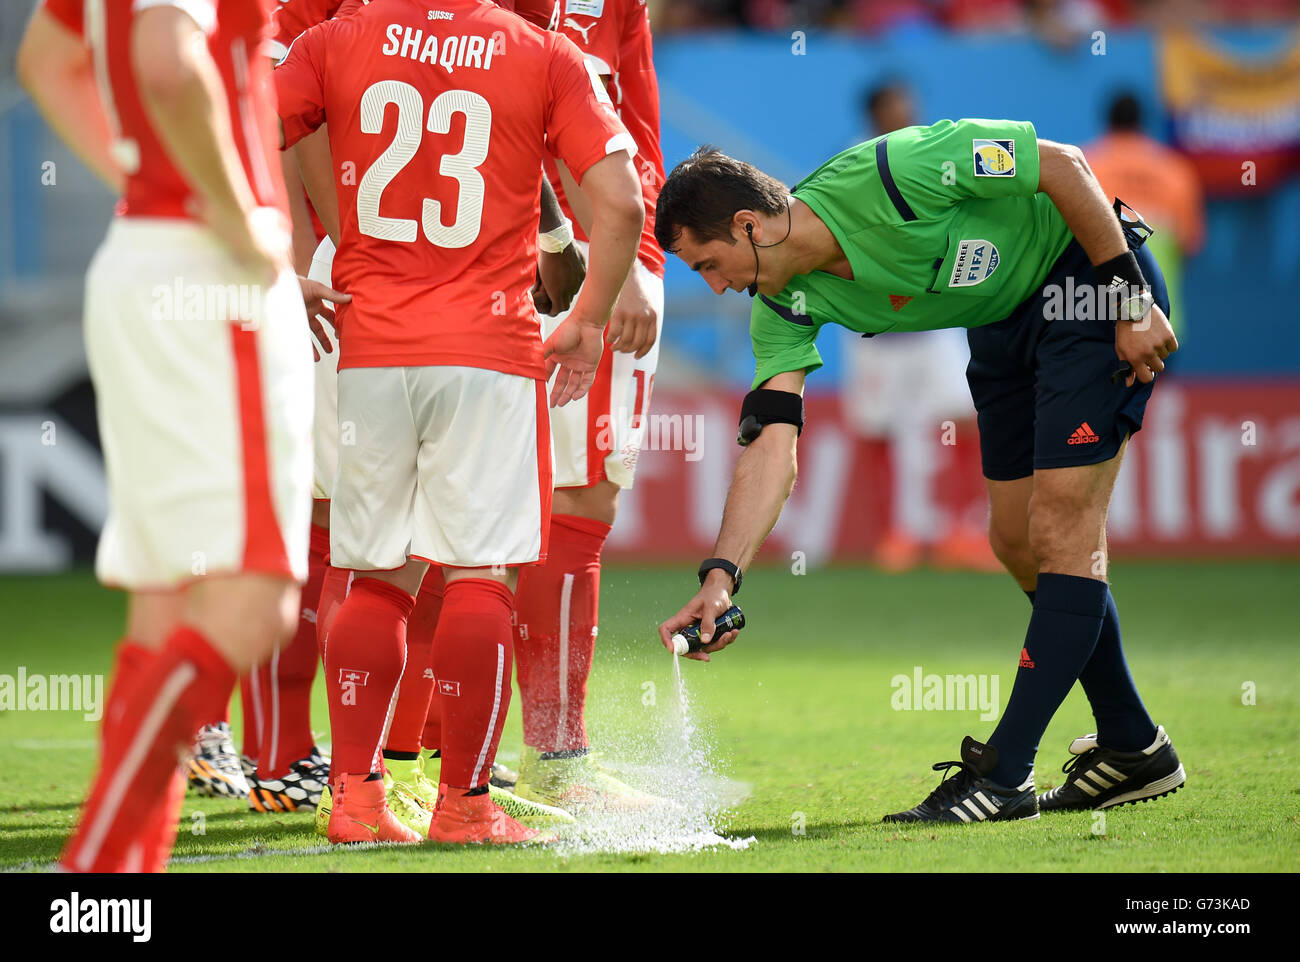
{"x": 1025, "y": 660}
{"x": 1083, "y": 435}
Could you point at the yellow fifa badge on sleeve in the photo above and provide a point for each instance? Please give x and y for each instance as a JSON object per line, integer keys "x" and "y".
{"x": 994, "y": 158}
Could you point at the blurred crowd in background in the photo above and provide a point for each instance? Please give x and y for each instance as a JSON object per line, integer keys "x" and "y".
{"x": 1054, "y": 20}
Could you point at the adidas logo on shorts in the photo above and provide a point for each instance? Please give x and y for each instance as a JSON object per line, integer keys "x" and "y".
{"x": 1083, "y": 435}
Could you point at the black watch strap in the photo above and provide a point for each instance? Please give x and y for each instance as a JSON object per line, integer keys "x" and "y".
{"x": 710, "y": 563}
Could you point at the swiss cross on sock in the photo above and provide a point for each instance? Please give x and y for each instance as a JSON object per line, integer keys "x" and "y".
{"x": 451, "y": 688}
{"x": 350, "y": 676}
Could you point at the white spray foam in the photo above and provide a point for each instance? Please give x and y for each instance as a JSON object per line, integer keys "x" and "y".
{"x": 660, "y": 750}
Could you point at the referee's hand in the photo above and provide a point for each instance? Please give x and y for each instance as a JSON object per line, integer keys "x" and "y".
{"x": 710, "y": 602}
{"x": 1145, "y": 344}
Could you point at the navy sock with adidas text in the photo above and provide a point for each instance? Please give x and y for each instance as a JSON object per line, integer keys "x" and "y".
{"x": 1063, "y": 631}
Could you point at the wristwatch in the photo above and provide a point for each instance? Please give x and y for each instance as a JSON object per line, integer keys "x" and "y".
{"x": 1130, "y": 308}
{"x": 1136, "y": 307}
{"x": 710, "y": 563}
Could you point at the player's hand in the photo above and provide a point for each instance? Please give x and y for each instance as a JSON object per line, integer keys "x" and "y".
{"x": 320, "y": 300}
{"x": 711, "y": 601}
{"x": 572, "y": 354}
{"x": 1145, "y": 344}
{"x": 558, "y": 278}
{"x": 634, "y": 324}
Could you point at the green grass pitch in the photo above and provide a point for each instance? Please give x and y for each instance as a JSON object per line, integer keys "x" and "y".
{"x": 799, "y": 712}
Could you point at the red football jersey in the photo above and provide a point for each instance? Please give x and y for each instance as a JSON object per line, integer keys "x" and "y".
{"x": 292, "y": 17}
{"x": 614, "y": 35}
{"x": 438, "y": 126}
{"x": 236, "y": 40}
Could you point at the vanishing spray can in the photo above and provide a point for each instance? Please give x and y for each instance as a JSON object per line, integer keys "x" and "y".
{"x": 688, "y": 639}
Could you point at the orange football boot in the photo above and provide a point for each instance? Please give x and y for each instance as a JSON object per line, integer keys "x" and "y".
{"x": 476, "y": 819}
{"x": 359, "y": 813}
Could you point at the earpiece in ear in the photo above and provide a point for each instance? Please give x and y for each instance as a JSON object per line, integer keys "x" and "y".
{"x": 749, "y": 229}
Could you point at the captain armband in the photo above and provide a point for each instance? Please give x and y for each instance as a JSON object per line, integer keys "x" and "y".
{"x": 762, "y": 407}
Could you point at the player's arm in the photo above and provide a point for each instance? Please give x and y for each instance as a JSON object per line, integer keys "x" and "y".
{"x": 316, "y": 168}
{"x": 310, "y": 157}
{"x": 1065, "y": 177}
{"x": 55, "y": 68}
{"x": 634, "y": 323}
{"x": 760, "y": 486}
{"x": 186, "y": 103}
{"x": 559, "y": 273}
{"x": 304, "y": 237}
{"x": 617, "y": 216}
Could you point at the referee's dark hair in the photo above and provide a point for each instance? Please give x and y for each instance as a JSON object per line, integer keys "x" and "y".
{"x": 704, "y": 192}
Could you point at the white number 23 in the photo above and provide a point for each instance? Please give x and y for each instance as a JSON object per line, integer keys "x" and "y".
{"x": 462, "y": 166}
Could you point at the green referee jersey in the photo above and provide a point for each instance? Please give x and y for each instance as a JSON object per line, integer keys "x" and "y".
{"x": 943, "y": 226}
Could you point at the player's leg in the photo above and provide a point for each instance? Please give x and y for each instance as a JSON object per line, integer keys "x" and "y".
{"x": 1009, "y": 529}
{"x": 1081, "y": 417}
{"x": 365, "y": 648}
{"x": 1067, "y": 519}
{"x": 150, "y": 618}
{"x": 597, "y": 442}
{"x": 291, "y": 772}
{"x": 202, "y": 424}
{"x": 1002, "y": 387}
{"x": 413, "y": 795}
{"x": 462, "y": 483}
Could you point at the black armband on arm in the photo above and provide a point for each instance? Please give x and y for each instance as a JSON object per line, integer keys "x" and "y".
{"x": 762, "y": 407}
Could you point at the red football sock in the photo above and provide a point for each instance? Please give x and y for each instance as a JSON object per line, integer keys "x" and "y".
{"x": 431, "y": 737}
{"x": 363, "y": 664}
{"x": 471, "y": 659}
{"x": 333, "y": 589}
{"x": 416, "y": 687}
{"x": 129, "y": 662}
{"x": 183, "y": 687}
{"x": 285, "y": 679}
{"x": 557, "y": 607}
{"x": 250, "y": 702}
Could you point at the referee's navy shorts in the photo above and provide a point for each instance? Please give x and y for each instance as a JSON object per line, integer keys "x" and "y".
{"x": 1042, "y": 388}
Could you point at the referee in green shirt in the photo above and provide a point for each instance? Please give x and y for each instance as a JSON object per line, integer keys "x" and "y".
{"x": 975, "y": 224}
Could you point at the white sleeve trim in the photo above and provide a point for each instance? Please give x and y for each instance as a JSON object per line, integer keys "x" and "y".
{"x": 619, "y": 142}
{"x": 603, "y": 69}
{"x": 277, "y": 50}
{"x": 202, "y": 12}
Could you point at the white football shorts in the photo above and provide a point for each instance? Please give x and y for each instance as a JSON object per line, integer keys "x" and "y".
{"x": 450, "y": 465}
{"x": 599, "y": 438}
{"x": 202, "y": 379}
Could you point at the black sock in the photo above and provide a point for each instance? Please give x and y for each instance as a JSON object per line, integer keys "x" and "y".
{"x": 1063, "y": 631}
{"x": 1123, "y": 724}
{"x": 401, "y": 756}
